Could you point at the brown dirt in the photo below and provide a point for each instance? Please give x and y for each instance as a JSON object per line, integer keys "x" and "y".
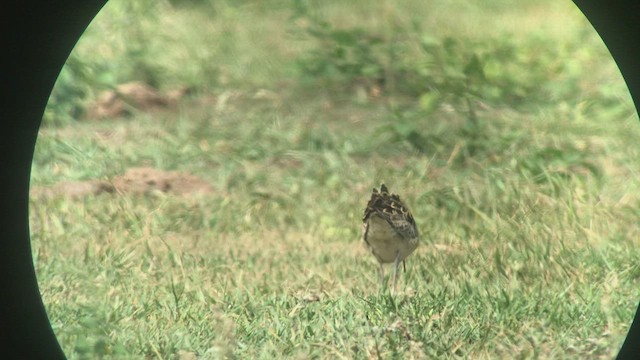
{"x": 133, "y": 95}
{"x": 139, "y": 180}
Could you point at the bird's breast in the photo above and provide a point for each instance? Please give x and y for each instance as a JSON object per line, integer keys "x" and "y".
{"x": 384, "y": 242}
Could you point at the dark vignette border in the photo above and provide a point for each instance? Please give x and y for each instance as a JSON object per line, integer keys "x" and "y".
{"x": 36, "y": 38}
{"x": 618, "y": 24}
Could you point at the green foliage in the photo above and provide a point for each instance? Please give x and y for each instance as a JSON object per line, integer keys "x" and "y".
{"x": 343, "y": 56}
{"x": 458, "y": 71}
{"x": 67, "y": 100}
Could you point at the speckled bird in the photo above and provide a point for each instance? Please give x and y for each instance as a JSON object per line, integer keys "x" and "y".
{"x": 389, "y": 230}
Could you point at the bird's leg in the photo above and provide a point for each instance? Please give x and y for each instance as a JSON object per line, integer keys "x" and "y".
{"x": 381, "y": 276}
{"x": 404, "y": 266}
{"x": 395, "y": 270}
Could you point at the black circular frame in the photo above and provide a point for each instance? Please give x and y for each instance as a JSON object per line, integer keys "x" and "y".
{"x": 37, "y": 37}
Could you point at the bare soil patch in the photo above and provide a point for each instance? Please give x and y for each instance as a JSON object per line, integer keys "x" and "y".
{"x": 137, "y": 180}
{"x": 132, "y": 96}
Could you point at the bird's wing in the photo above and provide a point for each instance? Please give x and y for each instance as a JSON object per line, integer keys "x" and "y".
{"x": 392, "y": 209}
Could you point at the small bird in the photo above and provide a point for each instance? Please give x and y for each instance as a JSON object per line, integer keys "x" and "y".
{"x": 389, "y": 230}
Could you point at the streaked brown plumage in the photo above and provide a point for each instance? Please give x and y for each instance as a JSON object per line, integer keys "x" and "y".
{"x": 389, "y": 230}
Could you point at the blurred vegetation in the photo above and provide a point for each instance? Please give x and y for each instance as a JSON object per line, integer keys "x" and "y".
{"x": 420, "y": 73}
{"x": 402, "y": 59}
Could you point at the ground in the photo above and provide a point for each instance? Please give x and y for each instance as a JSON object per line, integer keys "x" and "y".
{"x": 217, "y": 213}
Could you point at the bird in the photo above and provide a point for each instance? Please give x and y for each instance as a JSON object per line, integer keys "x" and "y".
{"x": 389, "y": 230}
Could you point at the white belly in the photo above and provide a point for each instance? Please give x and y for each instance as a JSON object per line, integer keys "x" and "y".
{"x": 385, "y": 243}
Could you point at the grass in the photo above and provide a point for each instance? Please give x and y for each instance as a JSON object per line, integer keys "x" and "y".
{"x": 529, "y": 227}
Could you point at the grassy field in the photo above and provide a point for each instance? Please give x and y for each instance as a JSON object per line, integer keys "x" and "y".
{"x": 529, "y": 220}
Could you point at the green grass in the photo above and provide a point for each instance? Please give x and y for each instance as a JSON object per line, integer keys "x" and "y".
{"x": 529, "y": 224}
